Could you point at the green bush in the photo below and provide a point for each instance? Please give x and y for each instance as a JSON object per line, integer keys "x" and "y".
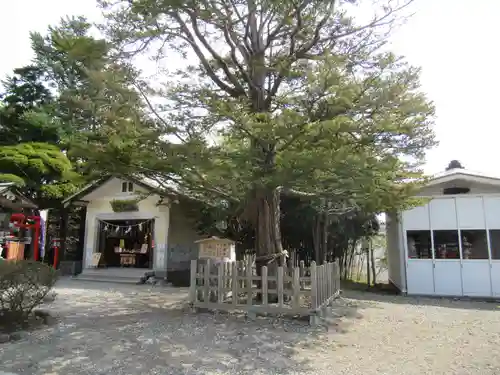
{"x": 23, "y": 286}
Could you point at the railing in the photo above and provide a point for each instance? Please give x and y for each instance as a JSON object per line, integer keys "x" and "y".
{"x": 232, "y": 286}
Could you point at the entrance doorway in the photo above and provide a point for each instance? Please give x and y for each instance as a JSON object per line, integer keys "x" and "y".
{"x": 126, "y": 243}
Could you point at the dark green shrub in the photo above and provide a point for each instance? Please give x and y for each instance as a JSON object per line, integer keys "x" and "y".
{"x": 23, "y": 286}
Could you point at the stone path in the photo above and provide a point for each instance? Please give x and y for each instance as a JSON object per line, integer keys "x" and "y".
{"x": 132, "y": 330}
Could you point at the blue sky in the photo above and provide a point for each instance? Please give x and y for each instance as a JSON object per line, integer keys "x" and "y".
{"x": 454, "y": 41}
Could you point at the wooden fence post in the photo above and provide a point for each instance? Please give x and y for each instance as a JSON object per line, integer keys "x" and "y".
{"x": 330, "y": 279}
{"x": 264, "y": 285}
{"x": 314, "y": 285}
{"x": 234, "y": 283}
{"x": 296, "y": 288}
{"x": 206, "y": 297}
{"x": 220, "y": 282}
{"x": 337, "y": 275}
{"x": 241, "y": 268}
{"x": 313, "y": 319}
{"x": 321, "y": 284}
{"x": 280, "y": 286}
{"x": 302, "y": 272}
{"x": 227, "y": 277}
{"x": 192, "y": 282}
{"x": 249, "y": 281}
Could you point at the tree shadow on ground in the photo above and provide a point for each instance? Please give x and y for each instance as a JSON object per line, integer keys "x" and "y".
{"x": 144, "y": 330}
{"x": 358, "y": 293}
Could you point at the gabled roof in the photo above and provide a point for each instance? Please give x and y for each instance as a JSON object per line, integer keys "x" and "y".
{"x": 145, "y": 183}
{"x": 100, "y": 182}
{"x": 11, "y": 197}
{"x": 463, "y": 175}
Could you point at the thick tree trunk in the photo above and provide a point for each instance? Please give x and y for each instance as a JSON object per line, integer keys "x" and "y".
{"x": 268, "y": 226}
{"x": 268, "y": 235}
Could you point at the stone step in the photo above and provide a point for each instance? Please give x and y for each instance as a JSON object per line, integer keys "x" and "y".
{"x": 107, "y": 279}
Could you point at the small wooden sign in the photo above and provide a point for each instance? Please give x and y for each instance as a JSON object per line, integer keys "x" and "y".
{"x": 96, "y": 258}
{"x": 216, "y": 248}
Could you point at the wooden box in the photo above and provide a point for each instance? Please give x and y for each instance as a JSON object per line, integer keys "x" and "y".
{"x": 15, "y": 251}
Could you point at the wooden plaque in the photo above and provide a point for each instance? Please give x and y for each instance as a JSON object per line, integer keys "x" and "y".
{"x": 96, "y": 258}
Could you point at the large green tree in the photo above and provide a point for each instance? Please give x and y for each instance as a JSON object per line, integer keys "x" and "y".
{"x": 54, "y": 104}
{"x": 30, "y": 149}
{"x": 101, "y": 115}
{"x": 22, "y": 100}
{"x": 291, "y": 97}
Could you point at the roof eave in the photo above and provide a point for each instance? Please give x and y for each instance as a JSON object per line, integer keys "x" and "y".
{"x": 464, "y": 176}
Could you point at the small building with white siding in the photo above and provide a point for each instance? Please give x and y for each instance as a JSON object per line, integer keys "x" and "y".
{"x": 135, "y": 226}
{"x": 449, "y": 246}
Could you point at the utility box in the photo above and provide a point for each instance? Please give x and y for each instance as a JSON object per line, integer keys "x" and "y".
{"x": 217, "y": 249}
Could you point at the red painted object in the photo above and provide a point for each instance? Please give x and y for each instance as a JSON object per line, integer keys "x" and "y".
{"x": 56, "y": 243}
{"x": 30, "y": 222}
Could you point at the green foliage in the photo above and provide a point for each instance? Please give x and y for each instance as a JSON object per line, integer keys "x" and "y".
{"x": 340, "y": 116}
{"x": 49, "y": 111}
{"x": 23, "y": 286}
{"x": 100, "y": 114}
{"x": 21, "y": 108}
{"x": 33, "y": 164}
{"x": 290, "y": 97}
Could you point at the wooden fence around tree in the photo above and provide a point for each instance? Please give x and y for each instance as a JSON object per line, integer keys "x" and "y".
{"x": 236, "y": 286}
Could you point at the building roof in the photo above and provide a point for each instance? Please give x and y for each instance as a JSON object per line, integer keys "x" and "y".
{"x": 11, "y": 197}
{"x": 463, "y": 174}
{"x": 163, "y": 191}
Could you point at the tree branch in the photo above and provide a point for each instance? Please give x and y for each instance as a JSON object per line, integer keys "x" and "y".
{"x": 234, "y": 92}
{"x": 156, "y": 114}
{"x": 229, "y": 75}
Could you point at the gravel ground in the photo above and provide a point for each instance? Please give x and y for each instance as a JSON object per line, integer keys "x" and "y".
{"x": 132, "y": 330}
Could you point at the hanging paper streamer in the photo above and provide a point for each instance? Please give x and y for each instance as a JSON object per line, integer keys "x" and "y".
{"x": 117, "y": 229}
{"x": 128, "y": 230}
{"x": 106, "y": 228}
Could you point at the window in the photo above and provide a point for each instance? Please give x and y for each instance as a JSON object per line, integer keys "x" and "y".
{"x": 127, "y": 187}
{"x": 474, "y": 244}
{"x": 455, "y": 190}
{"x": 446, "y": 244}
{"x": 495, "y": 243}
{"x": 419, "y": 244}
